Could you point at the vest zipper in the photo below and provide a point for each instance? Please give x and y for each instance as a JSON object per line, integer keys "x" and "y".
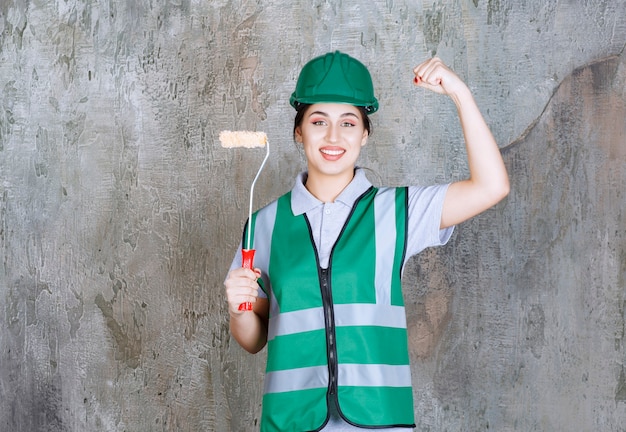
{"x": 329, "y": 311}
{"x": 331, "y": 346}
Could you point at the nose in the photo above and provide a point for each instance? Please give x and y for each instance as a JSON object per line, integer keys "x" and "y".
{"x": 332, "y": 133}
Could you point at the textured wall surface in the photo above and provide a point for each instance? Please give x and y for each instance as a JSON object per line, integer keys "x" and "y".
{"x": 120, "y": 213}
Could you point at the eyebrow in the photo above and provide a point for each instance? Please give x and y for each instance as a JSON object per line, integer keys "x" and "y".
{"x": 322, "y": 113}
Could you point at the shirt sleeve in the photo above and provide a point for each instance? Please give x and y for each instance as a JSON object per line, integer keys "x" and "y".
{"x": 425, "y": 206}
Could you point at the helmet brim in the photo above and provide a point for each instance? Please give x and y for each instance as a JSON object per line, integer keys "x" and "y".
{"x": 370, "y": 106}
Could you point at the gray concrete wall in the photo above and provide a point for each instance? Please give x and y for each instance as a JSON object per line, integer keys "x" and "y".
{"x": 120, "y": 213}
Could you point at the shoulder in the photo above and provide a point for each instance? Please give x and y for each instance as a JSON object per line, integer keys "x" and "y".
{"x": 427, "y": 194}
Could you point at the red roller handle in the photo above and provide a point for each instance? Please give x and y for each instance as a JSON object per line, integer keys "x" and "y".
{"x": 247, "y": 261}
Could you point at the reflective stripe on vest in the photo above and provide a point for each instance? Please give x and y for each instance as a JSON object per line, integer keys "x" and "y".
{"x": 349, "y": 375}
{"x": 362, "y": 341}
{"x": 345, "y": 315}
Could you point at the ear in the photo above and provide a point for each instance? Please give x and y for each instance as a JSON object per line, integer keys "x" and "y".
{"x": 365, "y": 137}
{"x": 298, "y": 135}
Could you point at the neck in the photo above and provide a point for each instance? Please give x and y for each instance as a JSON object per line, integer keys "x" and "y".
{"x": 327, "y": 188}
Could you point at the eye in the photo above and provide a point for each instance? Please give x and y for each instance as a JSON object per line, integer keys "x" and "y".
{"x": 348, "y": 124}
{"x": 318, "y": 122}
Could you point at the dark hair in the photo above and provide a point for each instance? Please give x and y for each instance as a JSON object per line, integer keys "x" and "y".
{"x": 301, "y": 109}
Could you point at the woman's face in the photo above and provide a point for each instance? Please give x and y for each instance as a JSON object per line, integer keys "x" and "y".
{"x": 332, "y": 135}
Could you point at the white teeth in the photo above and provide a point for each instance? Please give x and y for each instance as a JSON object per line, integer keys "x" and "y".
{"x": 332, "y": 152}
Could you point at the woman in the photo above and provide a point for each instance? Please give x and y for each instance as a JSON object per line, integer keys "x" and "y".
{"x": 330, "y": 253}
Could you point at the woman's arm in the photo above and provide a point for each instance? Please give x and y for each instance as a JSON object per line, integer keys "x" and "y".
{"x": 249, "y": 328}
{"x": 488, "y": 182}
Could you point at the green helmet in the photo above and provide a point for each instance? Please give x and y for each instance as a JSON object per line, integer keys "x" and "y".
{"x": 335, "y": 78}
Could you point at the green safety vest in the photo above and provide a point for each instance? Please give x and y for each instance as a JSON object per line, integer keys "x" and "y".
{"x": 336, "y": 335}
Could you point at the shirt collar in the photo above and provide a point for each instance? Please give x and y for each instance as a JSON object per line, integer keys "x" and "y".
{"x": 302, "y": 200}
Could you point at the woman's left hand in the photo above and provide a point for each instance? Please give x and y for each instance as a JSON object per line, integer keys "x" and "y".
{"x": 434, "y": 75}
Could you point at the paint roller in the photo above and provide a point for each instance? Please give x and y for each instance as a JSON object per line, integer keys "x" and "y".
{"x": 247, "y": 139}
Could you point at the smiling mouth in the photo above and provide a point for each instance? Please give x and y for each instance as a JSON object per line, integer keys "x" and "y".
{"x": 332, "y": 152}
